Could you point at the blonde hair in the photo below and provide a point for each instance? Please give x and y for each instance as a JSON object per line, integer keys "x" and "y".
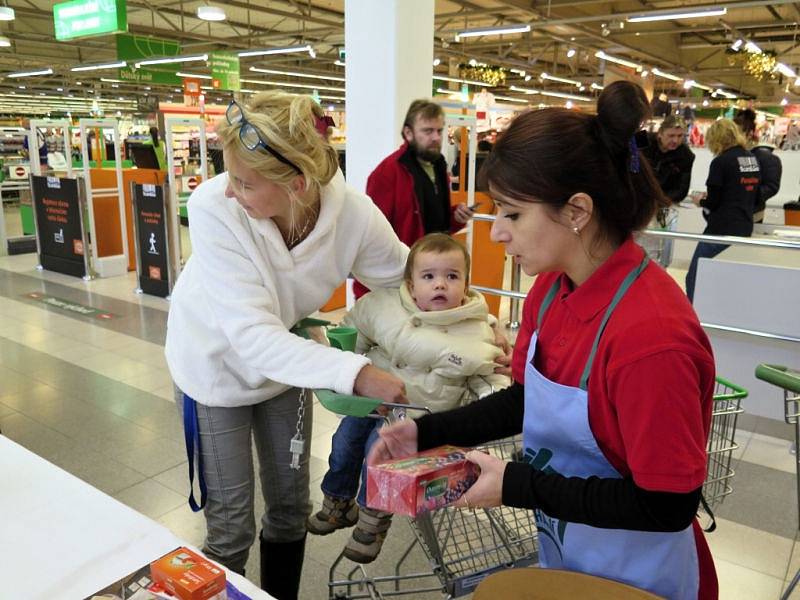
{"x": 438, "y": 243}
{"x": 723, "y": 135}
{"x": 288, "y": 124}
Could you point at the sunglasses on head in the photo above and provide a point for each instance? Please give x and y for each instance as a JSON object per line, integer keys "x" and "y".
{"x": 251, "y": 137}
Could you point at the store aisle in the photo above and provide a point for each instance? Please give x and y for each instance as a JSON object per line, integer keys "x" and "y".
{"x": 93, "y": 396}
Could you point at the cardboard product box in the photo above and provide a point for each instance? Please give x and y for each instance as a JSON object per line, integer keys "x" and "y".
{"x": 424, "y": 481}
{"x": 189, "y": 576}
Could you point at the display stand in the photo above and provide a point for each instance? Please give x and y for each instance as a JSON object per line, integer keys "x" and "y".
{"x": 154, "y": 264}
{"x": 173, "y": 125}
{"x": 488, "y": 265}
{"x": 110, "y": 258}
{"x": 61, "y": 242}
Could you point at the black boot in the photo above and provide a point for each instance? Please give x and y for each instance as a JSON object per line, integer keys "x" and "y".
{"x": 281, "y": 565}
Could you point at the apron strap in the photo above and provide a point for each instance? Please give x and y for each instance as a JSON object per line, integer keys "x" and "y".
{"x": 548, "y": 299}
{"x": 192, "y": 434}
{"x": 626, "y": 283}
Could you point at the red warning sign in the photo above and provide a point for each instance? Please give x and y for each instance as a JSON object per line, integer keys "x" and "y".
{"x": 19, "y": 171}
{"x": 191, "y": 183}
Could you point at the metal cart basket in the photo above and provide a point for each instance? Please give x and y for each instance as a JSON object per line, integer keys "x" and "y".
{"x": 789, "y": 381}
{"x": 462, "y": 546}
{"x": 721, "y": 440}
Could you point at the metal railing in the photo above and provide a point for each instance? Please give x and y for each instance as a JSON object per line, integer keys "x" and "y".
{"x": 515, "y": 295}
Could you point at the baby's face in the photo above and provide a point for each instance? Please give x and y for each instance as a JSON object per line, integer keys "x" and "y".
{"x": 438, "y": 280}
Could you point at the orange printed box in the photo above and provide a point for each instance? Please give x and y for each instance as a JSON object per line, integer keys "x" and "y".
{"x": 188, "y": 575}
{"x": 420, "y": 482}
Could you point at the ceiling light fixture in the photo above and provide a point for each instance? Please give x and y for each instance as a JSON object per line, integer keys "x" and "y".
{"x": 294, "y": 85}
{"x": 296, "y": 74}
{"x": 339, "y": 63}
{"x": 620, "y": 61}
{"x": 726, "y": 94}
{"x": 561, "y": 79}
{"x": 502, "y": 29}
{"x": 666, "y": 15}
{"x": 210, "y": 13}
{"x": 6, "y": 13}
{"x": 172, "y": 59}
{"x": 47, "y": 71}
{"x": 597, "y": 86}
{"x": 111, "y": 65}
{"x": 268, "y": 51}
{"x": 437, "y": 61}
{"x": 4, "y": 42}
{"x": 552, "y": 94}
{"x": 784, "y": 102}
{"x": 751, "y": 47}
{"x": 660, "y": 73}
{"x": 192, "y": 75}
{"x": 784, "y": 69}
{"x": 571, "y": 52}
{"x": 510, "y": 99}
{"x": 737, "y": 44}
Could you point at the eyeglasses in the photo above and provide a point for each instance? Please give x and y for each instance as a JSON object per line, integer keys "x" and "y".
{"x": 251, "y": 137}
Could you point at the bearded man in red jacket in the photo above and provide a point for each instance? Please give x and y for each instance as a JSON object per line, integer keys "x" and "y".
{"x": 411, "y": 186}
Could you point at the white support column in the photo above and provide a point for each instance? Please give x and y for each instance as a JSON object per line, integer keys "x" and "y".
{"x": 389, "y": 57}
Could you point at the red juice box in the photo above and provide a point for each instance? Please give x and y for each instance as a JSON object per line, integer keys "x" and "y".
{"x": 188, "y": 575}
{"x": 420, "y": 482}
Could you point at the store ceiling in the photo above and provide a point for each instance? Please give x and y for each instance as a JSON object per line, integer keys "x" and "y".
{"x": 696, "y": 48}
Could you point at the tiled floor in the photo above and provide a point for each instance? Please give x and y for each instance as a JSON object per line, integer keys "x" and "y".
{"x": 95, "y": 398}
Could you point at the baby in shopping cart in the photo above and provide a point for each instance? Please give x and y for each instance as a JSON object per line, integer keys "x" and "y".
{"x": 434, "y": 333}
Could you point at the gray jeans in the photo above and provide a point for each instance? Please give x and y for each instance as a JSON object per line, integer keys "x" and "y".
{"x": 225, "y": 443}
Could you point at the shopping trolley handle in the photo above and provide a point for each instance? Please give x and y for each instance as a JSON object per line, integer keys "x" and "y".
{"x": 360, "y": 406}
{"x": 780, "y": 376}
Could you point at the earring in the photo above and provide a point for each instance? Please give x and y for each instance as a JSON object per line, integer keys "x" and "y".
{"x": 576, "y": 230}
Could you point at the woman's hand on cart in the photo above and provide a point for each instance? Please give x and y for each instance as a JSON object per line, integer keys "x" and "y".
{"x": 373, "y": 382}
{"x": 488, "y": 490}
{"x": 394, "y": 441}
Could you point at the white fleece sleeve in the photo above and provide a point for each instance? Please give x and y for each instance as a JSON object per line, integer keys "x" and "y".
{"x": 360, "y": 317}
{"x": 242, "y": 304}
{"x": 382, "y": 256}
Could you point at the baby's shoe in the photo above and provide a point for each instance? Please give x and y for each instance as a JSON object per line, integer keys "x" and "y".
{"x": 335, "y": 514}
{"x": 367, "y": 538}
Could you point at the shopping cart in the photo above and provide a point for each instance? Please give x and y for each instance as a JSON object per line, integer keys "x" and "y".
{"x": 789, "y": 381}
{"x": 463, "y": 546}
{"x": 721, "y": 441}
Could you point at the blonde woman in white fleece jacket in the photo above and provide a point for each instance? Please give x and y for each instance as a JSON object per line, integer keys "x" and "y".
{"x": 272, "y": 238}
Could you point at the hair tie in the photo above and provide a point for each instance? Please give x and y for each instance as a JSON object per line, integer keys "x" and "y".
{"x": 634, "y": 167}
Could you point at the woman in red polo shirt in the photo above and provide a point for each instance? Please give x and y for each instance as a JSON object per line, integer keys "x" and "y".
{"x": 613, "y": 374}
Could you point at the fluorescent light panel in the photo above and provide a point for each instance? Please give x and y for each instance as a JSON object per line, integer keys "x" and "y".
{"x": 667, "y": 15}
{"x": 192, "y": 75}
{"x": 172, "y": 59}
{"x": 660, "y": 73}
{"x": 620, "y": 61}
{"x": 510, "y": 99}
{"x": 110, "y": 65}
{"x": 785, "y": 70}
{"x": 502, "y": 29}
{"x": 268, "y": 51}
{"x": 210, "y": 13}
{"x": 30, "y": 73}
{"x": 295, "y": 85}
{"x": 296, "y": 74}
{"x": 561, "y": 79}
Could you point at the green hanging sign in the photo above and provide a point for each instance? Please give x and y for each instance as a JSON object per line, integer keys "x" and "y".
{"x": 84, "y": 18}
{"x": 136, "y": 47}
{"x": 225, "y": 71}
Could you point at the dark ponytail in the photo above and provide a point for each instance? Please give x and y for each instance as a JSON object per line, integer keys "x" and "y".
{"x": 549, "y": 155}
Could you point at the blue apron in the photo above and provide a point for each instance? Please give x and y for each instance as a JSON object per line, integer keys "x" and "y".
{"x": 558, "y": 439}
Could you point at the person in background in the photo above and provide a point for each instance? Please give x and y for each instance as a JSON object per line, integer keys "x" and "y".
{"x": 769, "y": 165}
{"x": 411, "y": 186}
{"x": 158, "y": 146}
{"x": 272, "y": 238}
{"x": 614, "y": 376}
{"x": 671, "y": 160}
{"x": 731, "y": 192}
{"x": 436, "y": 335}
